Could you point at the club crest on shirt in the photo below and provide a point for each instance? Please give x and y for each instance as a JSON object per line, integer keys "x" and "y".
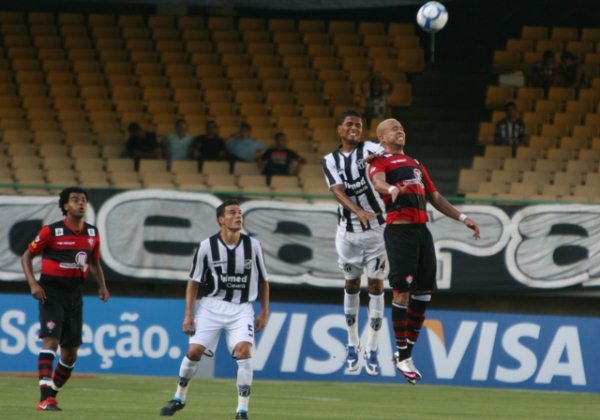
{"x": 91, "y": 232}
{"x": 418, "y": 175}
{"x": 247, "y": 264}
{"x": 409, "y": 279}
{"x": 50, "y": 325}
{"x": 59, "y": 232}
{"x": 360, "y": 163}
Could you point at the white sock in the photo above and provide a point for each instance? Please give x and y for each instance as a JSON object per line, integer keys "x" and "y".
{"x": 244, "y": 383}
{"x": 187, "y": 371}
{"x": 375, "y": 319}
{"x": 351, "y": 306}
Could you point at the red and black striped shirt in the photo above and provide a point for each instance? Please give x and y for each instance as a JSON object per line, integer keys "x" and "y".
{"x": 403, "y": 171}
{"x": 66, "y": 252}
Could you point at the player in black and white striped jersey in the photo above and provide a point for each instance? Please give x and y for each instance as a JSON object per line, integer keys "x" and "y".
{"x": 359, "y": 238}
{"x": 229, "y": 270}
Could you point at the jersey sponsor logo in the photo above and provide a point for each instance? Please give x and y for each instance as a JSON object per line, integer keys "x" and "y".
{"x": 234, "y": 282}
{"x": 59, "y": 232}
{"x": 79, "y": 264}
{"x": 357, "y": 187}
{"x": 91, "y": 241}
{"x": 416, "y": 180}
{"x": 66, "y": 243}
{"x": 398, "y": 161}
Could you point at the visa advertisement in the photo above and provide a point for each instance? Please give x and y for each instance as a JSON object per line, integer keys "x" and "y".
{"x": 307, "y": 342}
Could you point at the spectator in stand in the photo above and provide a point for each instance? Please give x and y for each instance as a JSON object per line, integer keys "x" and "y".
{"x": 210, "y": 146}
{"x": 242, "y": 146}
{"x": 546, "y": 73}
{"x": 376, "y": 90}
{"x": 569, "y": 70}
{"x": 280, "y": 160}
{"x": 141, "y": 144}
{"x": 177, "y": 145}
{"x": 510, "y": 130}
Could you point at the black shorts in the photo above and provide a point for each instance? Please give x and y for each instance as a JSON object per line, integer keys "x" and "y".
{"x": 61, "y": 316}
{"x": 411, "y": 257}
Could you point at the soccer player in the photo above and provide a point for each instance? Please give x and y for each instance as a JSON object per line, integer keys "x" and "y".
{"x": 359, "y": 237}
{"x": 229, "y": 270}
{"x": 70, "y": 250}
{"x": 406, "y": 186}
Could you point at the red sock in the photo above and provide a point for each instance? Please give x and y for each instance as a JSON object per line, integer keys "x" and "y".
{"x": 62, "y": 373}
{"x": 399, "y": 323}
{"x": 45, "y": 363}
{"x": 415, "y": 317}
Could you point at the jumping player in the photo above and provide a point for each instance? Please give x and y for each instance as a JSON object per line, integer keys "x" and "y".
{"x": 406, "y": 187}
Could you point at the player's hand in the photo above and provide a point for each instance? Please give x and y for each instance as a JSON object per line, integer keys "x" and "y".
{"x": 38, "y": 293}
{"x": 189, "y": 326}
{"x": 364, "y": 217}
{"x": 103, "y": 294}
{"x": 472, "y": 224}
{"x": 261, "y": 321}
{"x": 372, "y": 157}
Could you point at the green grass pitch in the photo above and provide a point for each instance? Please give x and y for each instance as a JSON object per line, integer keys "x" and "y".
{"x": 135, "y": 397}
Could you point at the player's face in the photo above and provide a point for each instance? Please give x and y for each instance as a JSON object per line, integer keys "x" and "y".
{"x": 77, "y": 205}
{"x": 394, "y": 134}
{"x": 350, "y": 130}
{"x": 232, "y": 218}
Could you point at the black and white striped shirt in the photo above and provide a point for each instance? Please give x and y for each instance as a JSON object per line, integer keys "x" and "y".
{"x": 350, "y": 170}
{"x": 232, "y": 274}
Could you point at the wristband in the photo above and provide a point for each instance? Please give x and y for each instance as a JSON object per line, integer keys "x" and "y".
{"x": 391, "y": 188}
{"x": 462, "y": 217}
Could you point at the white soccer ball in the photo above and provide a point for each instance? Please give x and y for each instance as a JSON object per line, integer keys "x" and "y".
{"x": 432, "y": 16}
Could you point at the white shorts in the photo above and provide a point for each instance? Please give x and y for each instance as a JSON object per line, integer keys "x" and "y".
{"x": 360, "y": 250}
{"x": 216, "y": 315}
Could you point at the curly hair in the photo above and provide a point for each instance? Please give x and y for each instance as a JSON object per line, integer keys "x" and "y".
{"x": 65, "y": 194}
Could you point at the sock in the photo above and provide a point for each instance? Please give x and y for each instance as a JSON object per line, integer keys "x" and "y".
{"x": 375, "y": 319}
{"x": 62, "y": 373}
{"x": 45, "y": 363}
{"x": 244, "y": 383}
{"x": 415, "y": 315}
{"x": 351, "y": 306}
{"x": 399, "y": 323}
{"x": 187, "y": 370}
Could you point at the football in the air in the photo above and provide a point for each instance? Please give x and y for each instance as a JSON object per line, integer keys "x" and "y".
{"x": 432, "y": 16}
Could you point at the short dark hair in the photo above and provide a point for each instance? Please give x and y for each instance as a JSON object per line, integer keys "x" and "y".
{"x": 65, "y": 194}
{"x": 348, "y": 113}
{"x": 509, "y": 104}
{"x": 245, "y": 125}
{"x": 226, "y": 203}
{"x": 278, "y": 135}
{"x": 209, "y": 123}
{"x": 133, "y": 127}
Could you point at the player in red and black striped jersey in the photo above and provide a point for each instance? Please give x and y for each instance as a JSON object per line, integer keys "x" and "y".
{"x": 406, "y": 187}
{"x": 70, "y": 250}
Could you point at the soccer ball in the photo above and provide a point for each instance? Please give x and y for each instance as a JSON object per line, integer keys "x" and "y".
{"x": 432, "y": 16}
